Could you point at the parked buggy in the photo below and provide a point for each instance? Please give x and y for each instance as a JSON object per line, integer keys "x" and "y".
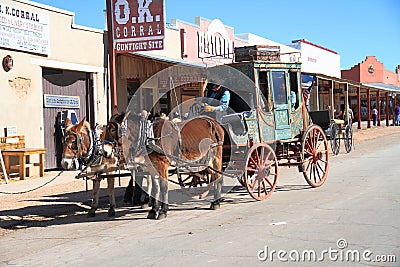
{"x": 336, "y": 130}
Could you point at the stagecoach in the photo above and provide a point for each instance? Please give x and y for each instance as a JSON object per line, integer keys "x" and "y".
{"x": 268, "y": 126}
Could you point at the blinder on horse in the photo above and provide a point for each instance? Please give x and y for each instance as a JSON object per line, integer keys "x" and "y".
{"x": 94, "y": 153}
{"x": 120, "y": 126}
{"x": 75, "y": 143}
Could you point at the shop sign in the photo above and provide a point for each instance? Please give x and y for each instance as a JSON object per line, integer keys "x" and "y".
{"x": 215, "y": 42}
{"x": 177, "y": 81}
{"x": 138, "y": 25}
{"x": 24, "y": 29}
{"x": 61, "y": 101}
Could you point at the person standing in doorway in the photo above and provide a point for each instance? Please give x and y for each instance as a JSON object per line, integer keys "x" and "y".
{"x": 374, "y": 115}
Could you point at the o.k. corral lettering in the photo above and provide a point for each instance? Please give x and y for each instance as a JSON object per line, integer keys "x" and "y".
{"x": 138, "y": 25}
{"x": 61, "y": 101}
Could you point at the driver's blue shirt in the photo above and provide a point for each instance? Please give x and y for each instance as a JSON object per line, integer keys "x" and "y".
{"x": 224, "y": 102}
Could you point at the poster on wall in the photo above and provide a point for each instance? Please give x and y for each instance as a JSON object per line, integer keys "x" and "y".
{"x": 138, "y": 25}
{"x": 24, "y": 29}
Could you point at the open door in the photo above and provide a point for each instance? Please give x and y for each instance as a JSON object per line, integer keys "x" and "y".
{"x": 282, "y": 106}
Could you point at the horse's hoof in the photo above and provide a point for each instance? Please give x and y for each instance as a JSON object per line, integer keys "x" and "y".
{"x": 215, "y": 206}
{"x": 161, "y": 216}
{"x": 151, "y": 215}
{"x": 91, "y": 213}
{"x": 111, "y": 213}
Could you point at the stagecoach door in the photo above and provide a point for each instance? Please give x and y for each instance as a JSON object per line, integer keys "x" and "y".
{"x": 281, "y": 107}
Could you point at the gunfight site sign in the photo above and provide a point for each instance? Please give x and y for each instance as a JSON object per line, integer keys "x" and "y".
{"x": 138, "y": 25}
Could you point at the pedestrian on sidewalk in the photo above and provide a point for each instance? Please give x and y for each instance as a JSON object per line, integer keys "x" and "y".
{"x": 374, "y": 114}
{"x": 397, "y": 114}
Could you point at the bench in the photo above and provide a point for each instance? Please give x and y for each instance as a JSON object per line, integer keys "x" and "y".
{"x": 14, "y": 146}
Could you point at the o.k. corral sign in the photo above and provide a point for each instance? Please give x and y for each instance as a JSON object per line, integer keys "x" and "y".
{"x": 138, "y": 25}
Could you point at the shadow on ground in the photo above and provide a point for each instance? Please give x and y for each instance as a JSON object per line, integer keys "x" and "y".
{"x": 71, "y": 208}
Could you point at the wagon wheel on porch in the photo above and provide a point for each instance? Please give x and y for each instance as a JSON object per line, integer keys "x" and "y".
{"x": 314, "y": 155}
{"x": 334, "y": 138}
{"x": 194, "y": 184}
{"x": 261, "y": 171}
{"x": 348, "y": 141}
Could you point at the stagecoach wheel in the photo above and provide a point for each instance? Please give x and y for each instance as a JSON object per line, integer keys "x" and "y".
{"x": 261, "y": 173}
{"x": 195, "y": 185}
{"x": 314, "y": 154}
{"x": 348, "y": 142}
{"x": 335, "y": 140}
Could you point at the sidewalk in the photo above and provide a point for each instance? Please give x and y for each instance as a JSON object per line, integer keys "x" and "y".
{"x": 365, "y": 133}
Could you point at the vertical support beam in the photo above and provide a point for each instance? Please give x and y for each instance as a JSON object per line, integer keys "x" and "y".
{"x": 346, "y": 103}
{"x": 378, "y": 107}
{"x": 394, "y": 107}
{"x": 387, "y": 108}
{"x": 111, "y": 54}
{"x": 317, "y": 93}
{"x": 369, "y": 108}
{"x": 359, "y": 107}
{"x": 3, "y": 167}
{"x": 332, "y": 100}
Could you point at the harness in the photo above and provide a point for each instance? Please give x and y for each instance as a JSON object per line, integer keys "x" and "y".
{"x": 94, "y": 153}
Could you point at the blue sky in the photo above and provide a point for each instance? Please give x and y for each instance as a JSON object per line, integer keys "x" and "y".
{"x": 353, "y": 28}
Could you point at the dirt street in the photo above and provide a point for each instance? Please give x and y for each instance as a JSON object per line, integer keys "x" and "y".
{"x": 66, "y": 195}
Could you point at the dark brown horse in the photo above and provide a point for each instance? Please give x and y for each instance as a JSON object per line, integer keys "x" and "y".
{"x": 115, "y": 133}
{"x": 197, "y": 141}
{"x": 97, "y": 151}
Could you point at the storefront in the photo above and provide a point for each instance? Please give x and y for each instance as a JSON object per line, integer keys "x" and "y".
{"x": 48, "y": 68}
{"x": 379, "y": 88}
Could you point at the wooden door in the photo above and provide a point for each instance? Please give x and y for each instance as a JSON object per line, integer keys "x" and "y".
{"x": 59, "y": 84}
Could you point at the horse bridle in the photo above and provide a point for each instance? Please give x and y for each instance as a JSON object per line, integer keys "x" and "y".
{"x": 79, "y": 140}
{"x": 118, "y": 126}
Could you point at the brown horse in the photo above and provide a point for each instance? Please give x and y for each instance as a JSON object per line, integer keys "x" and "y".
{"x": 115, "y": 133}
{"x": 197, "y": 141}
{"x": 95, "y": 151}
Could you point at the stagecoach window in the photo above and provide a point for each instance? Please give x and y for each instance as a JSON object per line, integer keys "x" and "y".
{"x": 294, "y": 86}
{"x": 263, "y": 86}
{"x": 279, "y": 87}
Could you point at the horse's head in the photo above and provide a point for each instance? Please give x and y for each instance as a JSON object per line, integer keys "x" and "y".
{"x": 77, "y": 144}
{"x": 116, "y": 127}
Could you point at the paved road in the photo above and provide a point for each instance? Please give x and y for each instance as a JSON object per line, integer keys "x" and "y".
{"x": 356, "y": 212}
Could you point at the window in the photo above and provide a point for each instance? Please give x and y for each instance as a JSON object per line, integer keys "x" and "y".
{"x": 279, "y": 87}
{"x": 264, "y": 104}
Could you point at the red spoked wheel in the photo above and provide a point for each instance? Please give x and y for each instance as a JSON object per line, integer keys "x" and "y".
{"x": 261, "y": 171}
{"x": 314, "y": 153}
